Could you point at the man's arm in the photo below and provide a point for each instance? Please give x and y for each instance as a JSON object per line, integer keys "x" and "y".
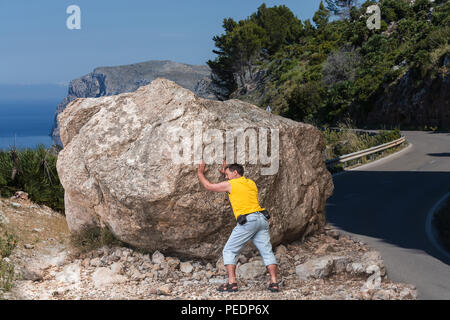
{"x": 216, "y": 187}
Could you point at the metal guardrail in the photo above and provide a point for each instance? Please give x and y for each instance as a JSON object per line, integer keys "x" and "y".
{"x": 362, "y": 153}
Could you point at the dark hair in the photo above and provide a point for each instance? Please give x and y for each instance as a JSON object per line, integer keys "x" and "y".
{"x": 236, "y": 167}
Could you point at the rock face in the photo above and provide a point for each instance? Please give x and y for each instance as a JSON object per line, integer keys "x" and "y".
{"x": 107, "y": 81}
{"x": 118, "y": 170}
{"x": 406, "y": 104}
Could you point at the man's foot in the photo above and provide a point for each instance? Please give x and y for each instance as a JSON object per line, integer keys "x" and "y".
{"x": 228, "y": 287}
{"x": 273, "y": 287}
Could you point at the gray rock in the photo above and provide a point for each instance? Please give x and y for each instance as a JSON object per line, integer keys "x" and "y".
{"x": 96, "y": 262}
{"x": 217, "y": 280}
{"x": 157, "y": 257}
{"x": 117, "y": 267}
{"x": 165, "y": 290}
{"x": 251, "y": 270}
{"x": 356, "y": 268}
{"x": 186, "y": 267}
{"x": 151, "y": 202}
{"x": 104, "y": 277}
{"x": 340, "y": 263}
{"x": 70, "y": 274}
{"x": 280, "y": 250}
{"x": 315, "y": 268}
{"x": 32, "y": 272}
{"x": 15, "y": 205}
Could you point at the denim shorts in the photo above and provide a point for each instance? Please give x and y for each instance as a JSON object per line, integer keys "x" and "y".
{"x": 256, "y": 229}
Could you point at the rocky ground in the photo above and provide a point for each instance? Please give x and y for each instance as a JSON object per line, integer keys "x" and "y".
{"x": 325, "y": 266}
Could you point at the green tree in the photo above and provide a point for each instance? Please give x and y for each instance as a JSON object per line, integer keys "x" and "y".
{"x": 280, "y": 24}
{"x": 321, "y": 17}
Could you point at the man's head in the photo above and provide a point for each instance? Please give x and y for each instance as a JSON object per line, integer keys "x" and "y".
{"x": 234, "y": 171}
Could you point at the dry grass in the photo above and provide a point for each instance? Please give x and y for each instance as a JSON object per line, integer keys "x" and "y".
{"x": 33, "y": 225}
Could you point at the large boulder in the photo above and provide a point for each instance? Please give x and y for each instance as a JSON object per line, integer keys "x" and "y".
{"x": 122, "y": 168}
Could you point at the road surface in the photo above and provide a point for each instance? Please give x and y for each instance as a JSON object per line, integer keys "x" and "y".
{"x": 385, "y": 204}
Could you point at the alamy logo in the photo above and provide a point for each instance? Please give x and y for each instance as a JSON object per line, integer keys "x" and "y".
{"x": 74, "y": 20}
{"x": 374, "y": 21}
{"x": 241, "y": 145}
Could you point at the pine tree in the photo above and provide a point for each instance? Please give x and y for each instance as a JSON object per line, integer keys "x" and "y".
{"x": 321, "y": 17}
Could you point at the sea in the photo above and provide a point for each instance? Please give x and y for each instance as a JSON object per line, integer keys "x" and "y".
{"x": 26, "y": 124}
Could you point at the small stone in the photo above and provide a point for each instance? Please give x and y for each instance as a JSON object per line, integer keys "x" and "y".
{"x": 315, "y": 268}
{"x": 173, "y": 262}
{"x": 280, "y": 251}
{"x": 217, "y": 280}
{"x": 220, "y": 266}
{"x": 355, "y": 268}
{"x": 340, "y": 263}
{"x": 334, "y": 234}
{"x": 186, "y": 267}
{"x": 28, "y": 246}
{"x": 32, "y": 273}
{"x": 36, "y": 230}
{"x": 86, "y": 262}
{"x": 70, "y": 274}
{"x": 242, "y": 259}
{"x": 157, "y": 257}
{"x": 15, "y": 205}
{"x": 103, "y": 277}
{"x": 165, "y": 290}
{"x": 21, "y": 195}
{"x": 251, "y": 270}
{"x": 117, "y": 267}
{"x": 323, "y": 249}
{"x": 96, "y": 262}
{"x": 198, "y": 276}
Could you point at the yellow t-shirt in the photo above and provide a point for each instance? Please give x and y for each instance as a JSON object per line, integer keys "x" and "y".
{"x": 243, "y": 196}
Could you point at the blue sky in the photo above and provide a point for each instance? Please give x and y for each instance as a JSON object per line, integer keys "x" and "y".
{"x": 37, "y": 48}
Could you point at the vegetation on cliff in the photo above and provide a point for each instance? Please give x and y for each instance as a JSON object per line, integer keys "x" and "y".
{"x": 323, "y": 71}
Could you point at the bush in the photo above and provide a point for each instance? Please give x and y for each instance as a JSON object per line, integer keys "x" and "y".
{"x": 94, "y": 238}
{"x": 345, "y": 141}
{"x": 32, "y": 171}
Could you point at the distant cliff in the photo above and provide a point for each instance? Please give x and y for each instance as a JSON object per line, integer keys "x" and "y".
{"x": 107, "y": 81}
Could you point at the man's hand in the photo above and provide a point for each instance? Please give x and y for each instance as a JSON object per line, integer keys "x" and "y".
{"x": 201, "y": 168}
{"x": 224, "y": 165}
{"x": 218, "y": 187}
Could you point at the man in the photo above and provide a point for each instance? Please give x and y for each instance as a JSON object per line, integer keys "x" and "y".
{"x": 243, "y": 196}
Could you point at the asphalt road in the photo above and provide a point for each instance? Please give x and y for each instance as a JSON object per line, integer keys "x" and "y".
{"x": 385, "y": 204}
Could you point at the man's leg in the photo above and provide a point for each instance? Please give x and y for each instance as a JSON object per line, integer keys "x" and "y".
{"x": 262, "y": 241}
{"x": 231, "y": 271}
{"x": 273, "y": 272}
{"x": 235, "y": 242}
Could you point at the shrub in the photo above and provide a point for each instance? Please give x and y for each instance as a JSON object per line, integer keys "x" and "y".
{"x": 33, "y": 171}
{"x": 94, "y": 238}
